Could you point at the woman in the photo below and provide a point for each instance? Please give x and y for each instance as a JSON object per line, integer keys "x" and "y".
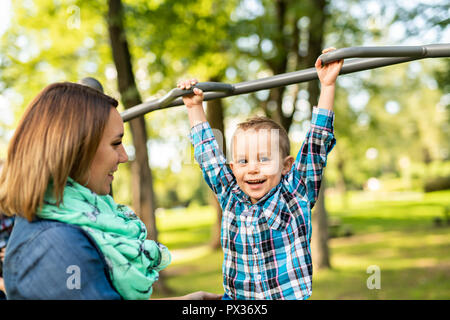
{"x": 70, "y": 239}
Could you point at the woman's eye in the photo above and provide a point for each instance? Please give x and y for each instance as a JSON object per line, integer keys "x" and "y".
{"x": 118, "y": 143}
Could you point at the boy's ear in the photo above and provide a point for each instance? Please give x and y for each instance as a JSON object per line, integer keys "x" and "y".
{"x": 231, "y": 165}
{"x": 287, "y": 164}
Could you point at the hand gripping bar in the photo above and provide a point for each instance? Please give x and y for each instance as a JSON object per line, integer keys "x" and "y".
{"x": 164, "y": 101}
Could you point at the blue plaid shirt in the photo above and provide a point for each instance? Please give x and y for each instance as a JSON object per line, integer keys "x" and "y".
{"x": 267, "y": 245}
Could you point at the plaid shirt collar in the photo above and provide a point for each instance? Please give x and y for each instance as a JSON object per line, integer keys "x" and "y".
{"x": 271, "y": 208}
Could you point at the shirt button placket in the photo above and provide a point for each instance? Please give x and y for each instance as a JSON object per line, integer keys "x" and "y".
{"x": 252, "y": 234}
{"x": 252, "y": 230}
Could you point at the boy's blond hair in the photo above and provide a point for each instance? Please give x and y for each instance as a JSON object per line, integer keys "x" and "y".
{"x": 258, "y": 123}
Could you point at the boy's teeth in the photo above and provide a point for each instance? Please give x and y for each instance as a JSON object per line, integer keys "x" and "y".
{"x": 255, "y": 181}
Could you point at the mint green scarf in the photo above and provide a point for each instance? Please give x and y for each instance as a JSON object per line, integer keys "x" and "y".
{"x": 134, "y": 262}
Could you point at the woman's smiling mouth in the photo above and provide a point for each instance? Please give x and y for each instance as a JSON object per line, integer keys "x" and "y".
{"x": 111, "y": 175}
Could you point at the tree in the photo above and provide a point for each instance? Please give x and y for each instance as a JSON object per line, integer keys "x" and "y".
{"x": 319, "y": 241}
{"x": 142, "y": 182}
{"x": 202, "y": 50}
{"x": 142, "y": 178}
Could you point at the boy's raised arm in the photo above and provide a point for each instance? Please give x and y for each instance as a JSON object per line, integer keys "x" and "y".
{"x": 327, "y": 76}
{"x": 311, "y": 158}
{"x": 206, "y": 149}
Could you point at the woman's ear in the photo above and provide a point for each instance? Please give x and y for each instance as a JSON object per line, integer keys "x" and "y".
{"x": 287, "y": 164}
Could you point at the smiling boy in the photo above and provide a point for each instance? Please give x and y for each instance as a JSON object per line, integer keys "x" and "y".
{"x": 266, "y": 196}
{"x": 261, "y": 156}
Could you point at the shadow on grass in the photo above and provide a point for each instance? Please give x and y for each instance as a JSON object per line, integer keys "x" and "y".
{"x": 395, "y": 284}
{"x": 401, "y": 221}
{"x": 203, "y": 274}
{"x": 417, "y": 243}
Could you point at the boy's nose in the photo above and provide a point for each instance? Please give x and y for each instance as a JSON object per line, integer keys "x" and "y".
{"x": 253, "y": 167}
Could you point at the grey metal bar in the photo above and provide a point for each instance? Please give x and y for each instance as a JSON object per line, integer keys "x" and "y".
{"x": 426, "y": 51}
{"x": 163, "y": 102}
{"x": 349, "y": 66}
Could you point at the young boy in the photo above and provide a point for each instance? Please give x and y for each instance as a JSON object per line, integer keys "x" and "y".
{"x": 266, "y": 197}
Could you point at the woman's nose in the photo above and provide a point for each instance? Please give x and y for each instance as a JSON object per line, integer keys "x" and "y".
{"x": 123, "y": 156}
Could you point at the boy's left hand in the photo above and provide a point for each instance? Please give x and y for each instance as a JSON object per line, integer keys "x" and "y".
{"x": 191, "y": 100}
{"x": 329, "y": 72}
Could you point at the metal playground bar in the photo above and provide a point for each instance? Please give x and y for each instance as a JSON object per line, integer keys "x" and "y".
{"x": 365, "y": 58}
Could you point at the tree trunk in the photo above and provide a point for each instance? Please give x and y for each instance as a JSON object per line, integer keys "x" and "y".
{"x": 278, "y": 65}
{"x": 341, "y": 183}
{"x": 319, "y": 218}
{"x": 215, "y": 117}
{"x": 289, "y": 44}
{"x": 319, "y": 241}
{"x": 142, "y": 181}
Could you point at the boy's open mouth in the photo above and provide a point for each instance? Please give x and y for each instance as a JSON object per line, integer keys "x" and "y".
{"x": 255, "y": 181}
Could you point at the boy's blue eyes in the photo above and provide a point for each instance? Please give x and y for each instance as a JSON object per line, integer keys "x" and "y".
{"x": 261, "y": 159}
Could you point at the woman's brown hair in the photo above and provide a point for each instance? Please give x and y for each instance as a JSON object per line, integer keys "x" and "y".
{"x": 56, "y": 138}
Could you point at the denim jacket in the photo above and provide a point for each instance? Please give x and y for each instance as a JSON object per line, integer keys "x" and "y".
{"x": 47, "y": 259}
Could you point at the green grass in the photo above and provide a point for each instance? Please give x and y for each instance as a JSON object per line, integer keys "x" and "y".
{"x": 395, "y": 232}
{"x": 184, "y": 228}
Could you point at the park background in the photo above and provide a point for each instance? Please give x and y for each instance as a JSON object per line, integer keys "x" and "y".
{"x": 381, "y": 226}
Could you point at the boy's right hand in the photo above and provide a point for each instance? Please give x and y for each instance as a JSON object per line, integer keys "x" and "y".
{"x": 329, "y": 72}
{"x": 192, "y": 100}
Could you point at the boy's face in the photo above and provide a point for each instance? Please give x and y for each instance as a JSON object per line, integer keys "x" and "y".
{"x": 257, "y": 161}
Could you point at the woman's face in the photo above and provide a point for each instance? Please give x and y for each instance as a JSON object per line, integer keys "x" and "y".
{"x": 109, "y": 155}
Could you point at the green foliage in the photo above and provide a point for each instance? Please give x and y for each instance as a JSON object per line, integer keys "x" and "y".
{"x": 442, "y": 77}
{"x": 53, "y": 40}
{"x": 50, "y": 41}
{"x": 396, "y": 113}
{"x": 180, "y": 37}
{"x": 183, "y": 188}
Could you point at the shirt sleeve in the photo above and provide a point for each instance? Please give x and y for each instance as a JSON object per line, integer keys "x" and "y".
{"x": 207, "y": 153}
{"x": 306, "y": 174}
{"x": 59, "y": 263}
